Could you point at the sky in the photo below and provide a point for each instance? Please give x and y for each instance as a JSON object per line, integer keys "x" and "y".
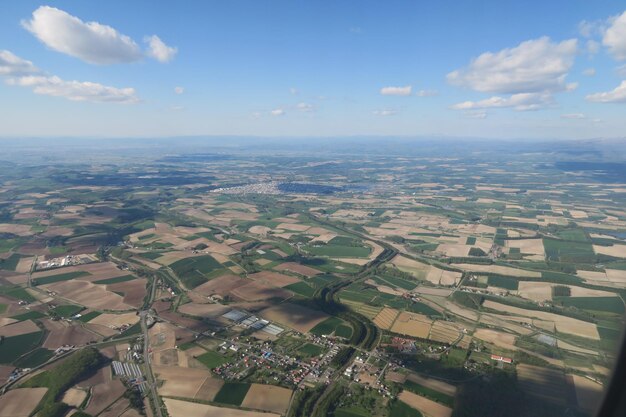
{"x": 490, "y": 69}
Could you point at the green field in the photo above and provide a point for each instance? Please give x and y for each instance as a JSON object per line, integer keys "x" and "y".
{"x": 309, "y": 349}
{"x": 116, "y": 279}
{"x": 503, "y": 282}
{"x": 577, "y": 235}
{"x": 17, "y": 293}
{"x": 35, "y": 358}
{"x": 3, "y": 308}
{"x": 89, "y": 316}
{"x": 31, "y": 315}
{"x": 151, "y": 255}
{"x": 67, "y": 310}
{"x": 608, "y": 304}
{"x": 429, "y": 393}
{"x": 212, "y": 359}
{"x": 12, "y": 348}
{"x": 336, "y": 251}
{"x": 194, "y": 271}
{"x": 340, "y": 247}
{"x": 232, "y": 393}
{"x": 343, "y": 330}
{"x": 60, "y": 277}
{"x": 327, "y": 326}
{"x": 10, "y": 263}
{"x": 400, "y": 409}
{"x": 421, "y": 308}
{"x": 351, "y": 412}
{"x": 301, "y": 288}
{"x": 569, "y": 251}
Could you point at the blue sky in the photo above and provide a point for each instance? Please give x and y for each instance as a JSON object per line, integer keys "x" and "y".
{"x": 494, "y": 69}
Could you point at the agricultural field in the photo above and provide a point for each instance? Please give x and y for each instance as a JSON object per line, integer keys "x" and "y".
{"x": 314, "y": 283}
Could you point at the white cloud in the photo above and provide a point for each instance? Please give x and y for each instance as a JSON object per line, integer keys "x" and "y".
{"x": 91, "y": 42}
{"x": 385, "y": 112}
{"x": 179, "y": 90}
{"x": 615, "y": 37}
{"x": 577, "y": 116}
{"x": 585, "y": 29}
{"x": 519, "y": 102}
{"x": 589, "y": 72}
{"x": 12, "y": 65}
{"x": 617, "y": 95}
{"x": 23, "y": 73}
{"x": 159, "y": 50}
{"x": 277, "y": 112}
{"x": 476, "y": 114}
{"x": 294, "y": 91}
{"x": 75, "y": 90}
{"x": 592, "y": 47}
{"x": 396, "y": 91}
{"x": 427, "y": 93}
{"x": 538, "y": 65}
{"x": 305, "y": 107}
{"x": 356, "y": 29}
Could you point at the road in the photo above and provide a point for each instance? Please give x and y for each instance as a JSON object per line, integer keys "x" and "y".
{"x": 148, "y": 366}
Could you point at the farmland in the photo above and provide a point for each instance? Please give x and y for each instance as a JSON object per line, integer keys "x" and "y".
{"x": 248, "y": 284}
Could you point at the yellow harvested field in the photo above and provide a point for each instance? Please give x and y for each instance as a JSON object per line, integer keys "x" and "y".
{"x": 259, "y": 230}
{"x": 563, "y": 324}
{"x": 440, "y": 292}
{"x": 578, "y": 214}
{"x": 74, "y": 397}
{"x": 427, "y": 407}
{"x": 24, "y": 265}
{"x": 385, "y": 318}
{"x": 178, "y": 408}
{"x": 527, "y": 246}
{"x": 412, "y": 324}
{"x": 171, "y": 257}
{"x": 352, "y": 261}
{"x": 435, "y": 384}
{"x": 424, "y": 271}
{"x": 267, "y": 398}
{"x": 274, "y": 279}
{"x": 20, "y": 402}
{"x": 187, "y": 382}
{"x": 294, "y": 316}
{"x": 500, "y": 339}
{"x": 115, "y": 320}
{"x": 618, "y": 251}
{"x": 567, "y": 346}
{"x": 294, "y": 227}
{"x": 511, "y": 323}
{"x": 499, "y": 269}
{"x": 450, "y": 249}
{"x": 461, "y": 311}
{"x": 445, "y": 332}
{"x": 588, "y": 393}
{"x": 536, "y": 291}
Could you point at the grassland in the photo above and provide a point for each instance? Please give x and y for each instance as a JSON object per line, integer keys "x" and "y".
{"x": 59, "y": 277}
{"x": 212, "y": 359}
{"x": 232, "y": 393}
{"x": 13, "y": 347}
